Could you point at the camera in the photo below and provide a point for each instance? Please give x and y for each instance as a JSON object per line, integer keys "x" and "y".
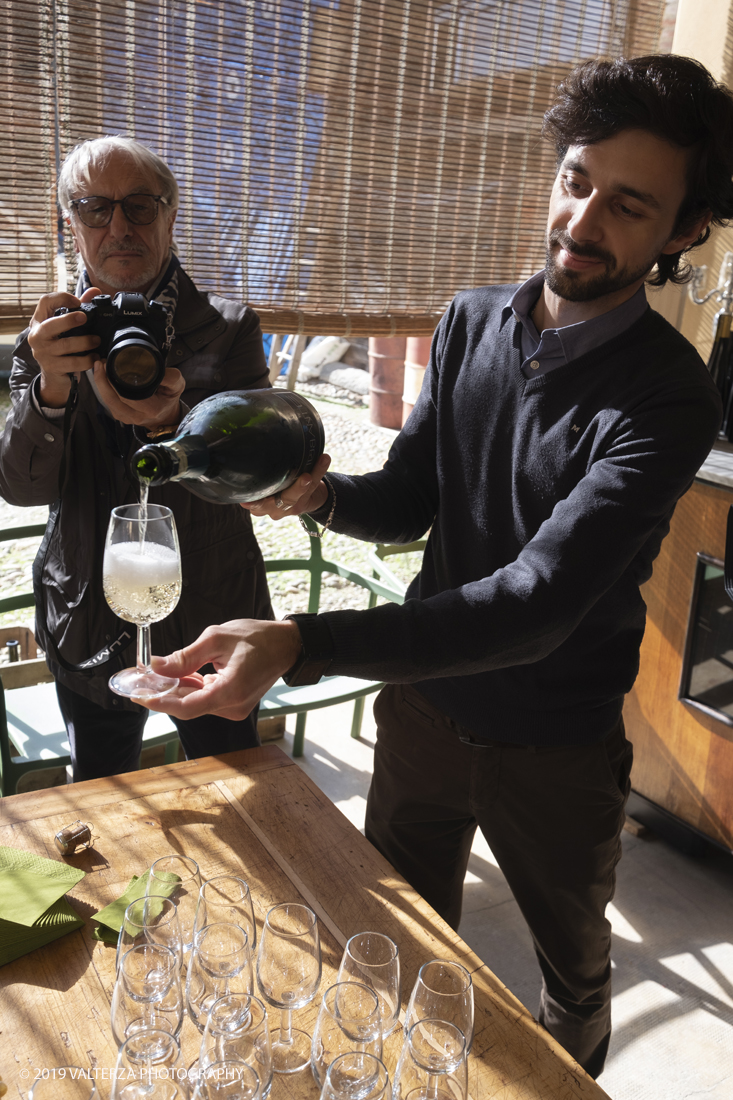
{"x": 133, "y": 340}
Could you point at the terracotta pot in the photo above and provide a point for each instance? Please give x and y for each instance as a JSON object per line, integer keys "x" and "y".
{"x": 417, "y": 357}
{"x": 386, "y": 380}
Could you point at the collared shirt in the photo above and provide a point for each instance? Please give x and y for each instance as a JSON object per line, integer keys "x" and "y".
{"x": 556, "y": 346}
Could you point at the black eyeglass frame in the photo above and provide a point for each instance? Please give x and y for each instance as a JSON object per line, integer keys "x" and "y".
{"x": 74, "y": 204}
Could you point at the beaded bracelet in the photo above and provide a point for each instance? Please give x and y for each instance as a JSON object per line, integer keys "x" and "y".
{"x": 327, "y": 524}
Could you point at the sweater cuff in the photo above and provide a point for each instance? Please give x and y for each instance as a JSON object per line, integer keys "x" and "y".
{"x": 320, "y": 515}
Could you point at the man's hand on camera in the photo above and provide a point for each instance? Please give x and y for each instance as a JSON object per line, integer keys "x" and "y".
{"x": 160, "y": 410}
{"x": 59, "y": 359}
{"x": 307, "y": 494}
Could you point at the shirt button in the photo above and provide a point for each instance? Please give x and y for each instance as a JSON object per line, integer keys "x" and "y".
{"x": 179, "y": 351}
{"x": 49, "y": 438}
{"x": 534, "y": 364}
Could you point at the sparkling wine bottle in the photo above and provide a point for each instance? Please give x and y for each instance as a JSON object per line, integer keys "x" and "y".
{"x": 241, "y": 445}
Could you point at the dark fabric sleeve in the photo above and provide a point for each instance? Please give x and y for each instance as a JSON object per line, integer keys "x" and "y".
{"x": 396, "y": 504}
{"x": 31, "y": 447}
{"x": 605, "y": 532}
{"x": 245, "y": 362}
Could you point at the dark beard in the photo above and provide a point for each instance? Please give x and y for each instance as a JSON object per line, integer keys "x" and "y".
{"x": 572, "y": 287}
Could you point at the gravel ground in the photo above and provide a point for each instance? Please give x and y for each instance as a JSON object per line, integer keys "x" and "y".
{"x": 355, "y": 445}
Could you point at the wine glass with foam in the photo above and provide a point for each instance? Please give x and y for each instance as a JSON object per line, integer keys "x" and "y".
{"x": 142, "y": 583}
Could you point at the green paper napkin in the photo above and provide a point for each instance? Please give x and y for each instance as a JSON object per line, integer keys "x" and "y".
{"x": 31, "y": 884}
{"x": 19, "y": 939}
{"x": 110, "y": 918}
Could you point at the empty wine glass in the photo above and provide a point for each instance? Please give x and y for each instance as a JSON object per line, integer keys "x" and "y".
{"x": 432, "y": 1064}
{"x": 443, "y": 991}
{"x": 374, "y": 959}
{"x": 147, "y": 993}
{"x": 226, "y": 899}
{"x": 356, "y": 1076}
{"x": 227, "y": 1080}
{"x": 150, "y": 1067}
{"x": 152, "y": 919}
{"x": 349, "y": 1019}
{"x": 183, "y": 874}
{"x": 220, "y": 963}
{"x": 289, "y": 973}
{"x": 237, "y": 1030}
{"x": 64, "y": 1083}
{"x": 141, "y": 575}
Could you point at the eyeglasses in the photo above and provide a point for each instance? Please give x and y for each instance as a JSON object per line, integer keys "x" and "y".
{"x": 96, "y": 211}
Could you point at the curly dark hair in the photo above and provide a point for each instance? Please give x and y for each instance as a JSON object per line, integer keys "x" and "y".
{"x": 674, "y": 98}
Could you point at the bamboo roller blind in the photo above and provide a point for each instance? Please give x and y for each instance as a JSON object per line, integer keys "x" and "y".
{"x": 345, "y": 165}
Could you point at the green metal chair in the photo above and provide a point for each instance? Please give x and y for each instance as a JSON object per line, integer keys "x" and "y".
{"x": 31, "y": 716}
{"x": 32, "y": 731}
{"x": 281, "y": 699}
{"x": 383, "y": 572}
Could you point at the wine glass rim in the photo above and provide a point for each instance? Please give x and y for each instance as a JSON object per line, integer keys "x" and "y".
{"x": 224, "y": 1065}
{"x": 130, "y": 513}
{"x": 187, "y": 860}
{"x": 453, "y": 965}
{"x": 144, "y": 901}
{"x": 229, "y": 1000}
{"x": 446, "y": 1025}
{"x": 312, "y": 919}
{"x": 231, "y": 878}
{"x": 206, "y": 928}
{"x": 150, "y": 1032}
{"x": 356, "y": 985}
{"x": 365, "y": 1057}
{"x": 84, "y": 1074}
{"x": 378, "y": 935}
{"x": 151, "y": 948}
{"x": 363, "y": 1054}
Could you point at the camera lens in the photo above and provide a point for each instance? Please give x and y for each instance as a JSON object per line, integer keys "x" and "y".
{"x": 135, "y": 365}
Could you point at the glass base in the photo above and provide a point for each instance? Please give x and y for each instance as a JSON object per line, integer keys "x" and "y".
{"x": 144, "y": 685}
{"x": 194, "y": 1071}
{"x": 293, "y": 1056}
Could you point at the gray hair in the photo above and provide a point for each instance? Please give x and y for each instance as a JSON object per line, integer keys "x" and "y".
{"x": 91, "y": 156}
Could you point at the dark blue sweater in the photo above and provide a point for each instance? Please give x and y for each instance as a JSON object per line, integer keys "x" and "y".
{"x": 548, "y": 498}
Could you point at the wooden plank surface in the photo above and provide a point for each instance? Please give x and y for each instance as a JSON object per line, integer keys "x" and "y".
{"x": 257, "y": 814}
{"x": 683, "y": 758}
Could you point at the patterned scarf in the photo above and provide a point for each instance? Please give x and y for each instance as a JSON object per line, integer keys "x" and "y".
{"x": 164, "y": 291}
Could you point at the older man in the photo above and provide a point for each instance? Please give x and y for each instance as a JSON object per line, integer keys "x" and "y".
{"x": 71, "y": 451}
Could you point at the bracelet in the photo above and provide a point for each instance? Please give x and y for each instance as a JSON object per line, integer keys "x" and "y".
{"x": 327, "y": 524}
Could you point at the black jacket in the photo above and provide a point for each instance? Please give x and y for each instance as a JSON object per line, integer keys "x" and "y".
{"x": 217, "y": 346}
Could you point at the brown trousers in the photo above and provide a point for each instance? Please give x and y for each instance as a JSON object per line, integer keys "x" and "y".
{"x": 552, "y": 817}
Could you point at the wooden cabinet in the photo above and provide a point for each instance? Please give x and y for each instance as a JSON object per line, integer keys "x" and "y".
{"x": 683, "y": 758}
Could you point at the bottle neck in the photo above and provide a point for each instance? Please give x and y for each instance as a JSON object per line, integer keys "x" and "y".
{"x": 187, "y": 456}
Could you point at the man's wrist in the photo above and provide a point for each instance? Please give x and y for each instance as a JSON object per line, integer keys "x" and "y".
{"x": 316, "y": 652}
{"x": 53, "y": 393}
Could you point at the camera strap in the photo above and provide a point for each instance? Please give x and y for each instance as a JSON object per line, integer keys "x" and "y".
{"x": 71, "y": 404}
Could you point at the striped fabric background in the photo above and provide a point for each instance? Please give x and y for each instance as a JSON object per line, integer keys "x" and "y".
{"x": 345, "y": 165}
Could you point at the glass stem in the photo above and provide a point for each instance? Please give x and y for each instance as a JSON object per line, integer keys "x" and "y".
{"x": 431, "y": 1091}
{"x": 286, "y": 1020}
{"x": 143, "y": 649}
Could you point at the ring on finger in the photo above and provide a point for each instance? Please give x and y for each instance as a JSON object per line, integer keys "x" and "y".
{"x": 280, "y": 503}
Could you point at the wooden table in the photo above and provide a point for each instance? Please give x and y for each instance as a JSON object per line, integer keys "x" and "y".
{"x": 257, "y": 814}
